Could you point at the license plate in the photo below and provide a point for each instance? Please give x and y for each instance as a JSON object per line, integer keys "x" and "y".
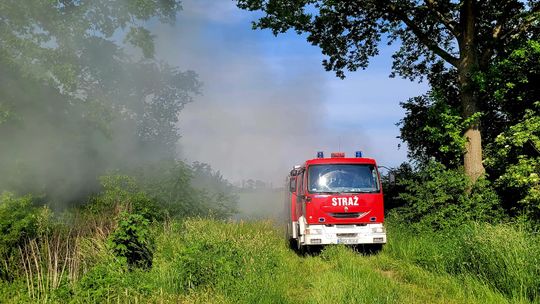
{"x": 347, "y": 241}
{"x": 377, "y": 240}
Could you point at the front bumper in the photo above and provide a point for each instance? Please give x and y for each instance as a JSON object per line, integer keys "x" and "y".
{"x": 343, "y": 234}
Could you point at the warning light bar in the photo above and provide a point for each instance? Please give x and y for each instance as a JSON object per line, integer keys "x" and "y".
{"x": 358, "y": 153}
{"x": 337, "y": 154}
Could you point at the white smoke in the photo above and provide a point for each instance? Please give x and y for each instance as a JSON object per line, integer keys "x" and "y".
{"x": 267, "y": 103}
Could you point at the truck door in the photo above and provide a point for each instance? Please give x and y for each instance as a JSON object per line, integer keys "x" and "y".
{"x": 299, "y": 195}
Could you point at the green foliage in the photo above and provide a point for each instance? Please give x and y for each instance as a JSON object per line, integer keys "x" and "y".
{"x": 509, "y": 96}
{"x": 182, "y": 191}
{"x": 349, "y": 33}
{"x": 122, "y": 193}
{"x": 18, "y": 221}
{"x": 4, "y": 115}
{"x": 509, "y": 88}
{"x": 73, "y": 101}
{"x": 142, "y": 38}
{"x": 132, "y": 240}
{"x": 168, "y": 192}
{"x": 102, "y": 282}
{"x": 209, "y": 261}
{"x": 513, "y": 147}
{"x": 434, "y": 129}
{"x": 505, "y": 257}
{"x": 209, "y": 254}
{"x": 131, "y": 212}
{"x": 438, "y": 198}
{"x": 516, "y": 153}
{"x": 214, "y": 189}
{"x": 393, "y": 188}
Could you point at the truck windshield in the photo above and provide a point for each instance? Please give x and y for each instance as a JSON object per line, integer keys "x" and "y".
{"x": 343, "y": 178}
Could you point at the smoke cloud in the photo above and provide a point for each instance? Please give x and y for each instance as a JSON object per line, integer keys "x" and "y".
{"x": 267, "y": 103}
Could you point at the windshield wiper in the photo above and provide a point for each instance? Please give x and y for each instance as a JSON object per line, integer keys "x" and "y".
{"x": 361, "y": 191}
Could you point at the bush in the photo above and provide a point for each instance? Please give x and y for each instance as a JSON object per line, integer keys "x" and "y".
{"x": 184, "y": 191}
{"x": 515, "y": 155}
{"x": 20, "y": 221}
{"x": 122, "y": 193}
{"x": 437, "y": 198}
{"x": 132, "y": 240}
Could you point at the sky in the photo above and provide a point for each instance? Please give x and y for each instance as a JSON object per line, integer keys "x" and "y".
{"x": 267, "y": 103}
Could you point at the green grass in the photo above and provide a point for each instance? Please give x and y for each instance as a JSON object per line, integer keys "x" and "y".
{"x": 504, "y": 257}
{"x": 208, "y": 261}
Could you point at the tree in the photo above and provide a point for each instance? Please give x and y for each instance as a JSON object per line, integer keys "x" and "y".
{"x": 80, "y": 93}
{"x": 464, "y": 36}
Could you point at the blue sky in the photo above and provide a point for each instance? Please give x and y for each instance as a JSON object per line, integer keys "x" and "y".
{"x": 268, "y": 104}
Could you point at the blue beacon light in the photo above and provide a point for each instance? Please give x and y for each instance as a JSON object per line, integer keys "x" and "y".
{"x": 320, "y": 154}
{"x": 358, "y": 153}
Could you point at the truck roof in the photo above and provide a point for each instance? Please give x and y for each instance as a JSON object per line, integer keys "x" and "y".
{"x": 341, "y": 160}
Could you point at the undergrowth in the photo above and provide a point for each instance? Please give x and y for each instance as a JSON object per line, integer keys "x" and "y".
{"x": 118, "y": 250}
{"x": 216, "y": 261}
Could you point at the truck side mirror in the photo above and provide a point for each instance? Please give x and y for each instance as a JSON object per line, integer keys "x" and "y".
{"x": 292, "y": 185}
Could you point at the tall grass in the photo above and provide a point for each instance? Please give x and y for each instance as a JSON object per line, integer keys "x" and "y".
{"x": 232, "y": 259}
{"x": 47, "y": 262}
{"x": 211, "y": 261}
{"x": 248, "y": 262}
{"x": 502, "y": 256}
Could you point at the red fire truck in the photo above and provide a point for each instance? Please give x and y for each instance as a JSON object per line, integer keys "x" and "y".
{"x": 335, "y": 200}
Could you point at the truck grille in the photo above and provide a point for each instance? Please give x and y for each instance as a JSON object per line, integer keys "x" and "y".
{"x": 349, "y": 235}
{"x": 346, "y": 226}
{"x": 345, "y": 215}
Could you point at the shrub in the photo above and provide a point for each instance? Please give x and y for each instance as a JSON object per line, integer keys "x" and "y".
{"x": 515, "y": 154}
{"x": 122, "y": 193}
{"x": 132, "y": 240}
{"x": 20, "y": 220}
{"x": 437, "y": 198}
{"x": 184, "y": 191}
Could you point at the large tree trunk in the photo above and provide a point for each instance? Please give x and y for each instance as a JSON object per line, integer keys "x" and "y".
{"x": 472, "y": 159}
{"x": 468, "y": 65}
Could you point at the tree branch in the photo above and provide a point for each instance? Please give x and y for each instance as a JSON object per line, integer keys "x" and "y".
{"x": 495, "y": 35}
{"x": 529, "y": 19}
{"x": 448, "y": 23}
{"x": 424, "y": 39}
{"x": 497, "y": 30}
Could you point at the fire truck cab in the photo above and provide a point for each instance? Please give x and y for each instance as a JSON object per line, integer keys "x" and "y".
{"x": 335, "y": 200}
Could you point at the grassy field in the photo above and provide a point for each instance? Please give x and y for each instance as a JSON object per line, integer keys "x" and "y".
{"x": 208, "y": 261}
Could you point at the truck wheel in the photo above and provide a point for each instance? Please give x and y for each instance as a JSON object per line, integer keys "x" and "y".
{"x": 292, "y": 244}
{"x": 300, "y": 249}
{"x": 373, "y": 248}
{"x": 290, "y": 240}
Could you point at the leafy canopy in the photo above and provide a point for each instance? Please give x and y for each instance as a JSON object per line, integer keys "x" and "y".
{"x": 81, "y": 94}
{"x": 349, "y": 32}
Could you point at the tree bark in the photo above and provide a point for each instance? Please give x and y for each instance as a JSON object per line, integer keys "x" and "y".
{"x": 468, "y": 65}
{"x": 472, "y": 159}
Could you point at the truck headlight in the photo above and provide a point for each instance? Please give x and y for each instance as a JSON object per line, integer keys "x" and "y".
{"x": 313, "y": 231}
{"x": 378, "y": 230}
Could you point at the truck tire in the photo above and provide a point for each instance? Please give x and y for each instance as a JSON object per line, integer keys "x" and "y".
{"x": 374, "y": 248}
{"x": 300, "y": 249}
{"x": 371, "y": 249}
{"x": 293, "y": 244}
